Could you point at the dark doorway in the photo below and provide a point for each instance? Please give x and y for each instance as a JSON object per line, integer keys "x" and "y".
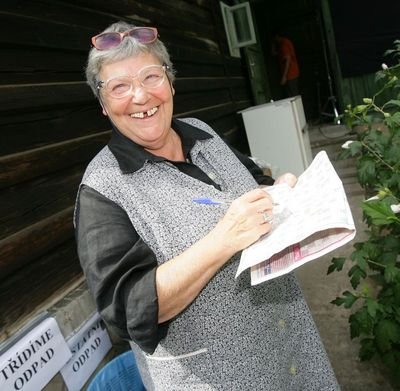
{"x": 301, "y": 21}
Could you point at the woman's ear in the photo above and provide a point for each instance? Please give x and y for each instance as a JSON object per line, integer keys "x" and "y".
{"x": 103, "y": 108}
{"x": 172, "y": 88}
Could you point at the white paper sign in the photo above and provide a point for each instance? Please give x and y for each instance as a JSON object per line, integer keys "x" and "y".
{"x": 88, "y": 346}
{"x": 34, "y": 359}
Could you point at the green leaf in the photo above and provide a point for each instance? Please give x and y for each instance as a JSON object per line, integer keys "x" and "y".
{"x": 396, "y": 295}
{"x": 379, "y": 212}
{"x": 366, "y": 170}
{"x": 378, "y": 279}
{"x": 372, "y": 307}
{"x": 394, "y": 180}
{"x": 397, "y": 314}
{"x": 394, "y": 102}
{"x": 355, "y": 330}
{"x": 394, "y": 119}
{"x": 347, "y": 300}
{"x": 356, "y": 274}
{"x": 358, "y": 245}
{"x": 372, "y": 250}
{"x": 368, "y": 349}
{"x": 391, "y": 156}
{"x": 360, "y": 257}
{"x": 355, "y": 147}
{"x": 387, "y": 332}
{"x": 391, "y": 359}
{"x": 361, "y": 323}
{"x": 337, "y": 264}
{"x": 388, "y": 258}
{"x": 391, "y": 242}
{"x": 391, "y": 273}
{"x": 386, "y": 293}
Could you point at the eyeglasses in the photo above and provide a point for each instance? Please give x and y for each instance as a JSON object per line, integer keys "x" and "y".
{"x": 106, "y": 41}
{"x": 150, "y": 76}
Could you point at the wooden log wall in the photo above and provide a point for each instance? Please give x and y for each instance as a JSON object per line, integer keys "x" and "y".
{"x": 51, "y": 125}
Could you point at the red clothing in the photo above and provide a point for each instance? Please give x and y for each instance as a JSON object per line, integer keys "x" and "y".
{"x": 286, "y": 49}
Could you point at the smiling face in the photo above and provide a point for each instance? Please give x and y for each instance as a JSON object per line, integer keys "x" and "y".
{"x": 145, "y": 115}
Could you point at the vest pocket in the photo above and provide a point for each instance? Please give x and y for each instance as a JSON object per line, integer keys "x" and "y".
{"x": 179, "y": 357}
{"x": 192, "y": 371}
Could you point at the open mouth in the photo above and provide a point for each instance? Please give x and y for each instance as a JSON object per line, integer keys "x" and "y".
{"x": 145, "y": 114}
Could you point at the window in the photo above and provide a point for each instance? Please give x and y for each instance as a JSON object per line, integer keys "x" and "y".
{"x": 239, "y": 26}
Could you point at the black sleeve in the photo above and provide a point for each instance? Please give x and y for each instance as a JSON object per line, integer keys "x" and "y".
{"x": 255, "y": 170}
{"x": 119, "y": 268}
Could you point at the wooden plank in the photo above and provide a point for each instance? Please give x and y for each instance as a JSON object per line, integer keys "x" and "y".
{"x": 37, "y": 128}
{"x": 60, "y": 11}
{"x": 234, "y": 66}
{"x": 28, "y": 203}
{"x": 198, "y": 12}
{"x": 159, "y": 13}
{"x": 25, "y": 166}
{"x": 193, "y": 56}
{"x": 34, "y": 96}
{"x": 179, "y": 14}
{"x": 28, "y": 32}
{"x": 38, "y": 65}
{"x": 51, "y": 33}
{"x": 225, "y": 123}
{"x": 38, "y": 286}
{"x": 30, "y": 96}
{"x": 189, "y": 40}
{"x": 34, "y": 241}
{"x": 186, "y": 84}
{"x": 218, "y": 23}
{"x": 199, "y": 99}
{"x": 212, "y": 112}
{"x": 208, "y": 113}
{"x": 241, "y": 93}
{"x": 188, "y": 69}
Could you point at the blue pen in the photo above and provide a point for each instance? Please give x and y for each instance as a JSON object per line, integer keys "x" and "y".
{"x": 213, "y": 201}
{"x": 209, "y": 201}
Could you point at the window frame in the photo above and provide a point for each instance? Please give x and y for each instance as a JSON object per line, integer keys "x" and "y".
{"x": 231, "y": 28}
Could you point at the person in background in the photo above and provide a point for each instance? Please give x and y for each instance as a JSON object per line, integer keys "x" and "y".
{"x": 283, "y": 48}
{"x": 160, "y": 266}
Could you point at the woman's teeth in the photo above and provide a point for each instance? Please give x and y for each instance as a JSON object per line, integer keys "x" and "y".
{"x": 145, "y": 114}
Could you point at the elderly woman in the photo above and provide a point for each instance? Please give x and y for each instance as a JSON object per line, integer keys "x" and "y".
{"x": 161, "y": 267}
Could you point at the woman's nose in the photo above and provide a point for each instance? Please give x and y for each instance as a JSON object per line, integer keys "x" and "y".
{"x": 139, "y": 94}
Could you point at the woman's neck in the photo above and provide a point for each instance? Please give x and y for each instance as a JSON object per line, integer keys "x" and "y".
{"x": 172, "y": 149}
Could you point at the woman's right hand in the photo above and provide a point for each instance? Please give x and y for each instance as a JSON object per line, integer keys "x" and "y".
{"x": 247, "y": 219}
{"x": 181, "y": 279}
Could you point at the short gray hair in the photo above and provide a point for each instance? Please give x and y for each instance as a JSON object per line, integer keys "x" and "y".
{"x": 127, "y": 48}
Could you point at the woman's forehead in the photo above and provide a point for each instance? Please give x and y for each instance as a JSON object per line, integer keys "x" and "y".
{"x": 128, "y": 66}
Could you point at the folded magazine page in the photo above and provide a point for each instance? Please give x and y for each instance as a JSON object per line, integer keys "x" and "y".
{"x": 310, "y": 220}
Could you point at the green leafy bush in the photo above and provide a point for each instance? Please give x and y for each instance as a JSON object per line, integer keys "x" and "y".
{"x": 375, "y": 263}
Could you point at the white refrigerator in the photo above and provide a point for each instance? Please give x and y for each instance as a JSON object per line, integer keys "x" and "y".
{"x": 277, "y": 134}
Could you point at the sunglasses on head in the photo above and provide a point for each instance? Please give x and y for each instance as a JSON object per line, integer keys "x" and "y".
{"x": 106, "y": 41}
